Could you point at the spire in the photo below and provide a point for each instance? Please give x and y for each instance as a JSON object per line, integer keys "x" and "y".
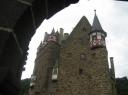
{"x": 57, "y": 33}
{"x": 96, "y": 24}
{"x": 53, "y": 31}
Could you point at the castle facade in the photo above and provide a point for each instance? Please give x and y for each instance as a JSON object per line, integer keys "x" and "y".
{"x": 75, "y": 64}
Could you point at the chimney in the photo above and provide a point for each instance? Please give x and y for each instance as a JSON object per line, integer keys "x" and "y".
{"x": 112, "y": 67}
{"x": 61, "y": 35}
{"x": 45, "y": 37}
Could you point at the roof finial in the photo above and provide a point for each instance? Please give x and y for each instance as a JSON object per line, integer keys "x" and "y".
{"x": 96, "y": 24}
{"x": 95, "y": 11}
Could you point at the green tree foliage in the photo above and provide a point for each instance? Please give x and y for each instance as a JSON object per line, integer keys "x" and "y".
{"x": 24, "y": 86}
{"x": 122, "y": 86}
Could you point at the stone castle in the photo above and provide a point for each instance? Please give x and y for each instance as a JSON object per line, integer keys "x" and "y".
{"x": 75, "y": 64}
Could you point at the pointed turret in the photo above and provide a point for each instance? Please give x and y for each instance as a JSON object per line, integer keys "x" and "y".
{"x": 52, "y": 37}
{"x": 96, "y": 24}
{"x": 57, "y": 32}
{"x": 97, "y": 34}
{"x": 53, "y": 31}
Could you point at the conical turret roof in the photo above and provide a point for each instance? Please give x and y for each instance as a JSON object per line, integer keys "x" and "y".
{"x": 53, "y": 31}
{"x": 96, "y": 24}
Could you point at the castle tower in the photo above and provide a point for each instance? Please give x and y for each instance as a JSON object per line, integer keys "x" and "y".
{"x": 97, "y": 34}
{"x": 76, "y": 64}
{"x": 46, "y": 61}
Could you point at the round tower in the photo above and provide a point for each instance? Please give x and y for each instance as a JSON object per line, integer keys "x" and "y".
{"x": 97, "y": 34}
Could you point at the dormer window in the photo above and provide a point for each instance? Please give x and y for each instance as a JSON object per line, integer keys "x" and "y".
{"x": 54, "y": 74}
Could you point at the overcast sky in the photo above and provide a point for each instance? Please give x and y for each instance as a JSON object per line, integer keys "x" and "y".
{"x": 113, "y": 16}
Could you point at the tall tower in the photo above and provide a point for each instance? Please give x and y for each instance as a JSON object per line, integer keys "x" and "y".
{"x": 97, "y": 34}
{"x": 78, "y": 65}
{"x": 45, "y": 63}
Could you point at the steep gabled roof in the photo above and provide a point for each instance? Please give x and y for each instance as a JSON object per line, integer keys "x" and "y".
{"x": 80, "y": 31}
{"x": 83, "y": 23}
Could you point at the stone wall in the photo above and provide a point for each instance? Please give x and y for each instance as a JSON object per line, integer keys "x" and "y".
{"x": 82, "y": 70}
{"x": 43, "y": 68}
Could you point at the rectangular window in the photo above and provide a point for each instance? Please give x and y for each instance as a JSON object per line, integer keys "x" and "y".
{"x": 54, "y": 73}
{"x": 103, "y": 38}
{"x": 98, "y": 36}
{"x": 90, "y": 38}
{"x": 33, "y": 78}
{"x": 55, "y": 70}
{"x": 94, "y": 34}
{"x": 98, "y": 33}
{"x": 94, "y": 38}
{"x": 102, "y": 34}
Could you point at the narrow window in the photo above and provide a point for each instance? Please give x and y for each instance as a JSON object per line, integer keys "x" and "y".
{"x": 94, "y": 37}
{"x": 32, "y": 84}
{"x": 80, "y": 71}
{"x": 103, "y": 38}
{"x": 54, "y": 74}
{"x": 84, "y": 29}
{"x": 99, "y": 36}
{"x": 33, "y": 78}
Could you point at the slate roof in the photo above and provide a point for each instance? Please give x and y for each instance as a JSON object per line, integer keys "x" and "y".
{"x": 96, "y": 24}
